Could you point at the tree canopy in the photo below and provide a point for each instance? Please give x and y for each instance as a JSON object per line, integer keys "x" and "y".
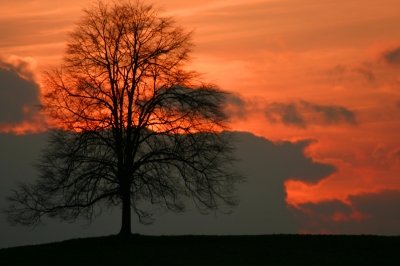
{"x": 132, "y": 126}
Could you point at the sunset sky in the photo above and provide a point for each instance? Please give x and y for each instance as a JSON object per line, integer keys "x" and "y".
{"x": 322, "y": 76}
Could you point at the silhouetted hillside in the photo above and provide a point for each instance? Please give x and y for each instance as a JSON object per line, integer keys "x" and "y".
{"x": 211, "y": 250}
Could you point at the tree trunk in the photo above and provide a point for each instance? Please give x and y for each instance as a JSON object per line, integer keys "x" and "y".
{"x": 126, "y": 211}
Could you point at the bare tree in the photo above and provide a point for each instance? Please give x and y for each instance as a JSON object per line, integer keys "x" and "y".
{"x": 133, "y": 128}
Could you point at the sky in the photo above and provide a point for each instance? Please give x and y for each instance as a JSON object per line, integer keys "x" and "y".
{"x": 315, "y": 101}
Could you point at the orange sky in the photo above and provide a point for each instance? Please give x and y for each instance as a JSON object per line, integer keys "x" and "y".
{"x": 324, "y": 70}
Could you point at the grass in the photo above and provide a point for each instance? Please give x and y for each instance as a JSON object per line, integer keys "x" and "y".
{"x": 211, "y": 250}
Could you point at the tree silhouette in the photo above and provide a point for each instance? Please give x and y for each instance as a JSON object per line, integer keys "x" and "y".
{"x": 133, "y": 128}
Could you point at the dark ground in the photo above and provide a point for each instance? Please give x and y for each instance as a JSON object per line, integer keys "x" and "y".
{"x": 211, "y": 250}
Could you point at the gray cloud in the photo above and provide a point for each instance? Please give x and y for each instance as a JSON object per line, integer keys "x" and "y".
{"x": 236, "y": 106}
{"x": 298, "y": 114}
{"x": 19, "y": 93}
{"x": 382, "y": 210}
{"x": 333, "y": 217}
{"x": 327, "y": 209}
{"x": 303, "y": 113}
{"x": 392, "y": 56}
{"x": 280, "y": 161}
{"x": 331, "y": 114}
{"x": 287, "y": 113}
{"x": 367, "y": 213}
{"x": 262, "y": 208}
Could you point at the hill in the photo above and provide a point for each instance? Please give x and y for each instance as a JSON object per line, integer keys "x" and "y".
{"x": 211, "y": 250}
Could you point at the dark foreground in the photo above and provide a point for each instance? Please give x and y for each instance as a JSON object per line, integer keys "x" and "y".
{"x": 211, "y": 250}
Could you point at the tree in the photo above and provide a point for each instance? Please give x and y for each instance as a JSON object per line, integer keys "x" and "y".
{"x": 133, "y": 128}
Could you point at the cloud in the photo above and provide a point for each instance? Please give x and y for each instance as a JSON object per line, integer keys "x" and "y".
{"x": 353, "y": 76}
{"x": 383, "y": 209}
{"x": 330, "y": 114}
{"x": 23, "y": 66}
{"x": 262, "y": 208}
{"x": 398, "y": 104}
{"x": 282, "y": 160}
{"x": 19, "y": 96}
{"x": 392, "y": 56}
{"x": 365, "y": 213}
{"x": 328, "y": 217}
{"x": 287, "y": 113}
{"x": 366, "y": 73}
{"x": 299, "y": 114}
{"x": 236, "y": 106}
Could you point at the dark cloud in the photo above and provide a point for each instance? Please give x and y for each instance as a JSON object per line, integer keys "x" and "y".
{"x": 287, "y": 113}
{"x": 280, "y": 161}
{"x": 21, "y": 66}
{"x": 19, "y": 93}
{"x": 367, "y": 213}
{"x": 327, "y": 209}
{"x": 392, "y": 56}
{"x": 382, "y": 210}
{"x": 236, "y": 106}
{"x": 330, "y": 114}
{"x": 299, "y": 114}
{"x": 332, "y": 217}
{"x": 262, "y": 208}
{"x": 303, "y": 113}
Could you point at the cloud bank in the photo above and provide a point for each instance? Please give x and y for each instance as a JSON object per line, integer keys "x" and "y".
{"x": 262, "y": 208}
{"x": 365, "y": 213}
{"x": 19, "y": 96}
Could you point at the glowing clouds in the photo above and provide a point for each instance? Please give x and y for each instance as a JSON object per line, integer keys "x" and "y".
{"x": 19, "y": 97}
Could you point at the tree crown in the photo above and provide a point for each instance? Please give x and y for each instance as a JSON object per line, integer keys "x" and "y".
{"x": 132, "y": 126}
